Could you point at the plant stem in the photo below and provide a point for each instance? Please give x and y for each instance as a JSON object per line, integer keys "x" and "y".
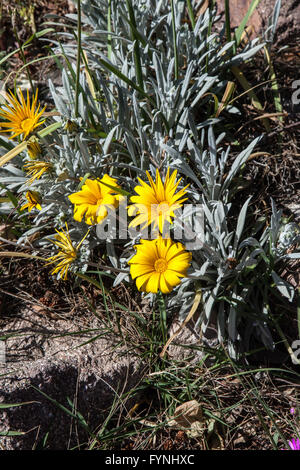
{"x": 174, "y": 40}
{"x": 24, "y": 59}
{"x": 136, "y": 51}
{"x": 191, "y": 13}
{"x": 254, "y": 100}
{"x": 275, "y": 88}
{"x": 227, "y": 21}
{"x": 109, "y": 49}
{"x": 78, "y": 56}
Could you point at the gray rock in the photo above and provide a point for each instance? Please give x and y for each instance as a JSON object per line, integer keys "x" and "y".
{"x": 190, "y": 345}
{"x": 43, "y": 366}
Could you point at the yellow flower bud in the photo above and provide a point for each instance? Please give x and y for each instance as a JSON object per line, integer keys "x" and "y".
{"x": 34, "y": 149}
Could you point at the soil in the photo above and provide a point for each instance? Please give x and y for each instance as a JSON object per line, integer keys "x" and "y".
{"x": 288, "y": 26}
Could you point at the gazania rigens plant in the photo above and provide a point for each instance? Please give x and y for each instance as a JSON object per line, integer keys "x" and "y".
{"x": 159, "y": 265}
{"x": 36, "y": 169}
{"x": 33, "y": 201}
{"x": 67, "y": 253}
{"x": 94, "y": 199}
{"x": 133, "y": 112}
{"x": 155, "y": 204}
{"x": 21, "y": 117}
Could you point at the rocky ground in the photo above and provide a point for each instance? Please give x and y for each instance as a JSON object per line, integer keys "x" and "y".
{"x": 46, "y": 362}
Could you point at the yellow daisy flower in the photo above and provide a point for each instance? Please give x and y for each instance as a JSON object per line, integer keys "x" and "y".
{"x": 156, "y": 203}
{"x": 34, "y": 200}
{"x": 92, "y": 201}
{"x": 66, "y": 255}
{"x": 22, "y": 117}
{"x": 159, "y": 264}
{"x": 36, "y": 169}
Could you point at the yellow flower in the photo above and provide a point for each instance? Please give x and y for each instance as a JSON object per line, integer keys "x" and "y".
{"x": 34, "y": 200}
{"x": 22, "y": 117}
{"x": 67, "y": 253}
{"x": 156, "y": 203}
{"x": 94, "y": 198}
{"x": 159, "y": 264}
{"x": 36, "y": 169}
{"x": 34, "y": 149}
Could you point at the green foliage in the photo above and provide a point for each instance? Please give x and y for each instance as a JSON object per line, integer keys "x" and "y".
{"x": 140, "y": 90}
